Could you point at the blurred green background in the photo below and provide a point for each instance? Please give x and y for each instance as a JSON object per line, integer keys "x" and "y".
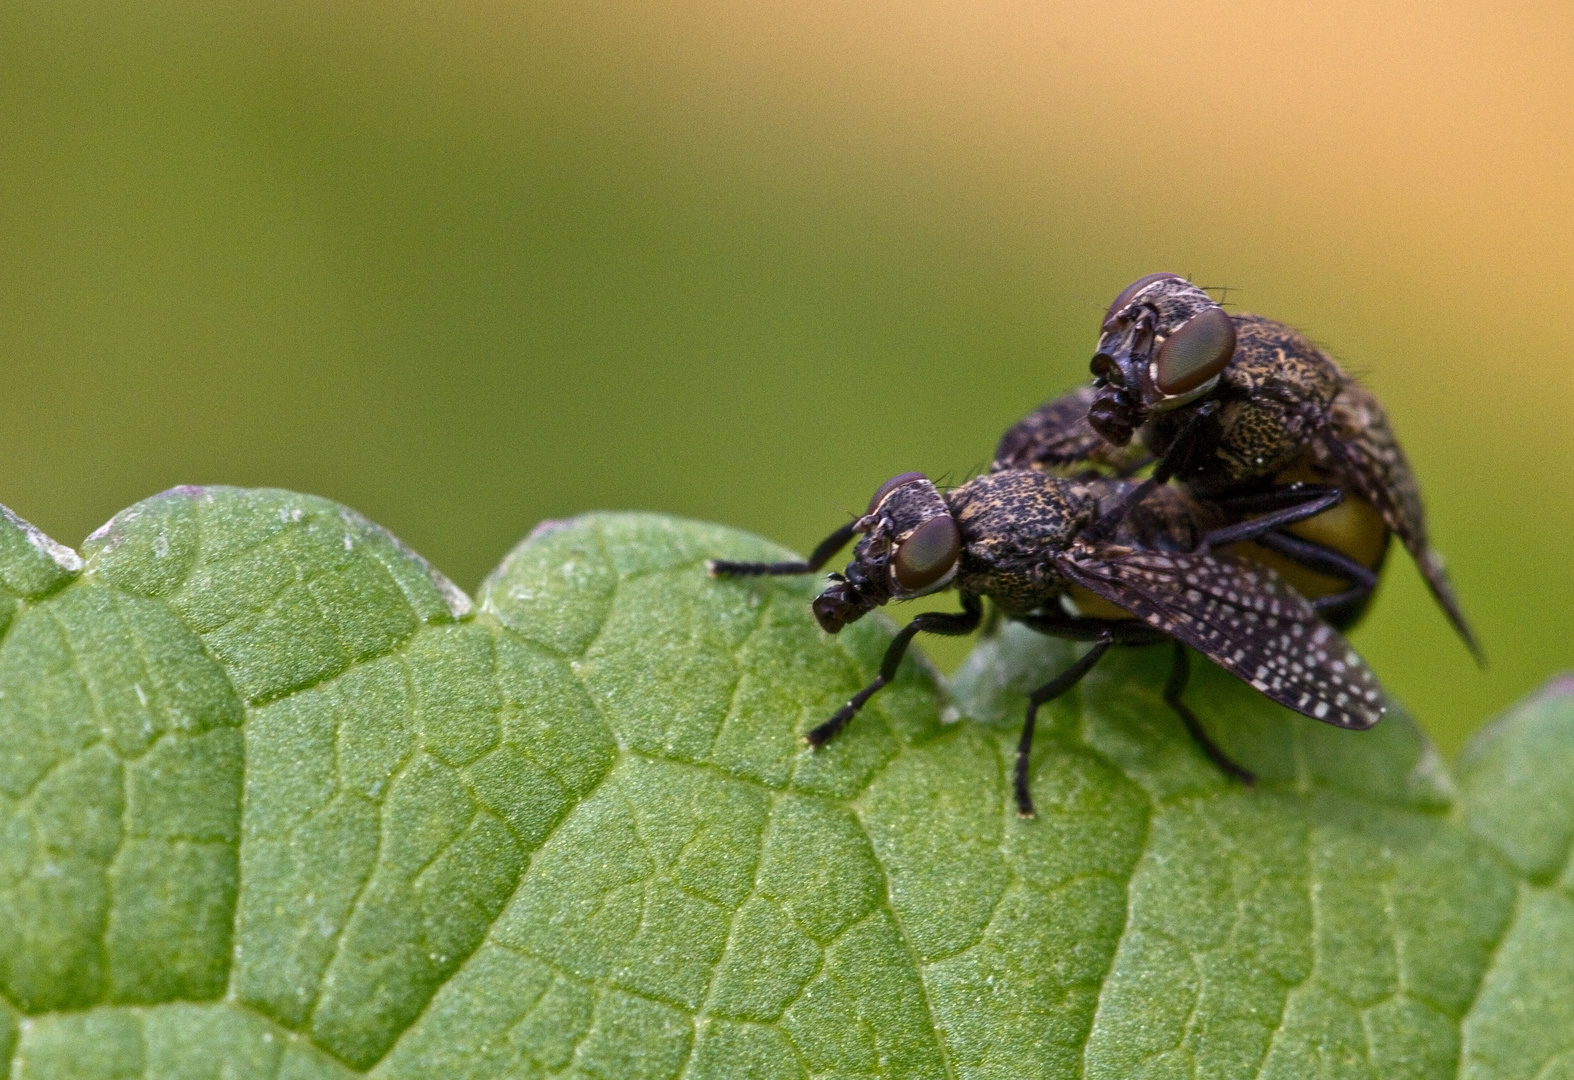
{"x": 469, "y": 266}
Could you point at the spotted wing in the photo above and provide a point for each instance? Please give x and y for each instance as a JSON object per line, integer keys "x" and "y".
{"x": 1242, "y": 616}
{"x": 1058, "y": 434}
{"x": 1360, "y": 445}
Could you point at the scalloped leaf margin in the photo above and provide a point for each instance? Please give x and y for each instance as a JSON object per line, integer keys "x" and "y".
{"x": 278, "y": 800}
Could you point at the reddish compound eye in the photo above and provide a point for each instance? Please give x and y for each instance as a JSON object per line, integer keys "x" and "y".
{"x": 928, "y": 554}
{"x": 1132, "y": 290}
{"x": 1196, "y": 352}
{"x": 899, "y": 480}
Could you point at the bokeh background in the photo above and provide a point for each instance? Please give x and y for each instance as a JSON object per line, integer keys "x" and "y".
{"x": 467, "y": 266}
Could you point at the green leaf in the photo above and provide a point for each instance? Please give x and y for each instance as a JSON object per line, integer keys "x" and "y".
{"x": 277, "y": 800}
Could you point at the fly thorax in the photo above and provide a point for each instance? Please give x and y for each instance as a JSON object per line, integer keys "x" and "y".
{"x": 1014, "y": 523}
{"x": 1021, "y": 510}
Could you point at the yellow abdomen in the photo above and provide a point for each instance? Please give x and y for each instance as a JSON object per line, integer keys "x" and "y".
{"x": 1096, "y": 607}
{"x": 1354, "y": 528}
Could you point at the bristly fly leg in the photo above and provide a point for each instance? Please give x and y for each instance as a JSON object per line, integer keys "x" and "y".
{"x": 1105, "y": 526}
{"x": 1174, "y": 687}
{"x": 1103, "y": 633}
{"x": 1266, "y": 530}
{"x": 1324, "y": 560}
{"x": 1046, "y": 693}
{"x": 1308, "y": 502}
{"x": 822, "y": 555}
{"x": 930, "y": 622}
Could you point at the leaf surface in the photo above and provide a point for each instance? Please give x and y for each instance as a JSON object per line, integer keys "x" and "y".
{"x": 277, "y": 800}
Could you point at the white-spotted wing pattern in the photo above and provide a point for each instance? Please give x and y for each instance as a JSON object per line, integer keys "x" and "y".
{"x": 1245, "y": 618}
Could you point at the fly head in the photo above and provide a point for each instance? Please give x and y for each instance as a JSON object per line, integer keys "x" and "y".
{"x": 910, "y": 548}
{"x": 1162, "y": 345}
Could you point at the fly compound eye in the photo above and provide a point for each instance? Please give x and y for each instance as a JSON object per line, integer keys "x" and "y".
{"x": 1130, "y": 291}
{"x": 899, "y": 480}
{"x": 1195, "y": 353}
{"x": 927, "y": 555}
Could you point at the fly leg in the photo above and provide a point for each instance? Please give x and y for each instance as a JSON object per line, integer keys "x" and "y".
{"x": 822, "y": 555}
{"x": 1267, "y": 530}
{"x": 1174, "y": 687}
{"x": 1173, "y": 458}
{"x": 930, "y": 622}
{"x": 1362, "y": 580}
{"x": 1049, "y": 692}
{"x": 1308, "y": 502}
{"x": 992, "y": 620}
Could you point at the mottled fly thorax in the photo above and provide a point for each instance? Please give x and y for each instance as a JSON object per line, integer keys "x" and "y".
{"x": 1021, "y": 509}
{"x": 1272, "y": 398}
{"x": 1012, "y": 523}
{"x": 1278, "y": 360}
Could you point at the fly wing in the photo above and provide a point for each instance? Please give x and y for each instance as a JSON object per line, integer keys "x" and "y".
{"x": 1361, "y": 446}
{"x": 1058, "y": 434}
{"x": 1242, "y": 616}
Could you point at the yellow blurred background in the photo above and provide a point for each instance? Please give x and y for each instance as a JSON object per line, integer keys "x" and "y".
{"x": 467, "y": 266}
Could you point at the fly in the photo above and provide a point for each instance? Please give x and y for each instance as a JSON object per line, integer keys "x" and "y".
{"x": 1078, "y": 559}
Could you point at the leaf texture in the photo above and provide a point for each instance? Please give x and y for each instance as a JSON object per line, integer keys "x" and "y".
{"x": 277, "y": 800}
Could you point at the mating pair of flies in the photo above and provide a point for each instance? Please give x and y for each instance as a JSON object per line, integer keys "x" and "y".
{"x": 1287, "y": 486}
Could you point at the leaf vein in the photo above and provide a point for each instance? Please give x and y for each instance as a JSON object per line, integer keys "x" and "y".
{"x": 1487, "y": 970}
{"x": 907, "y": 944}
